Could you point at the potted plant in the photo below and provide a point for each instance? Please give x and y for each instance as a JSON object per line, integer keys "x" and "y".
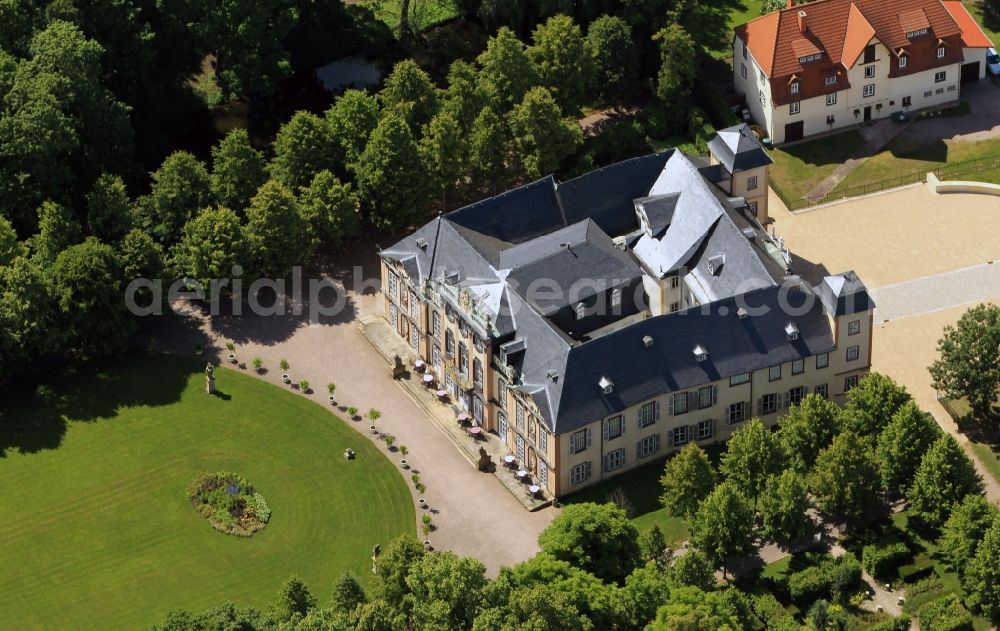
{"x": 422, "y": 502}
{"x": 403, "y": 463}
{"x": 416, "y": 478}
{"x": 403, "y": 449}
{"x": 373, "y": 415}
{"x": 283, "y": 364}
{"x": 389, "y": 440}
{"x": 304, "y": 386}
{"x": 420, "y": 487}
{"x": 232, "y": 352}
{"x": 331, "y": 388}
{"x": 427, "y": 544}
{"x": 427, "y": 526}
{"x": 373, "y": 429}
{"x": 353, "y": 413}
{"x": 258, "y": 364}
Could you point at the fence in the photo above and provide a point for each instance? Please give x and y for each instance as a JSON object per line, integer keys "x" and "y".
{"x": 954, "y": 171}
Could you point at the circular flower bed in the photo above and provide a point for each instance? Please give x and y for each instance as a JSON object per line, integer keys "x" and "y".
{"x": 229, "y": 503}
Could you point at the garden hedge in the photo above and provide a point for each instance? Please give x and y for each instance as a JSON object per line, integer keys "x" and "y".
{"x": 945, "y": 614}
{"x": 881, "y": 561}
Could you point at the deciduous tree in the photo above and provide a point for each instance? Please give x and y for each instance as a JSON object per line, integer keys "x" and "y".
{"x": 783, "y": 506}
{"x": 294, "y": 599}
{"x": 753, "y": 454}
{"x": 304, "y": 146}
{"x": 181, "y": 187}
{"x": 392, "y": 179}
{"x": 678, "y": 63}
{"x": 410, "y": 91}
{"x": 969, "y": 366}
{"x": 871, "y": 404}
{"x": 394, "y": 564}
{"x": 598, "y": 538}
{"x": 109, "y": 210}
{"x": 723, "y": 526}
{"x": 902, "y": 445}
{"x": 348, "y": 593}
{"x": 964, "y": 529}
{"x": 562, "y": 58}
{"x": 238, "y": 170}
{"x": 653, "y": 546}
{"x": 212, "y": 244}
{"x": 57, "y": 230}
{"x": 352, "y": 118}
{"x": 506, "y": 70}
{"x": 613, "y": 51}
{"x": 277, "y": 235}
{"x": 10, "y": 247}
{"x": 982, "y": 578}
{"x": 693, "y": 569}
{"x": 489, "y": 150}
{"x": 446, "y": 591}
{"x": 542, "y": 136}
{"x": 464, "y": 98}
{"x": 28, "y": 326}
{"x": 688, "y": 478}
{"x": 806, "y": 430}
{"x": 330, "y": 207}
{"x": 944, "y": 477}
{"x": 443, "y": 151}
{"x": 845, "y": 481}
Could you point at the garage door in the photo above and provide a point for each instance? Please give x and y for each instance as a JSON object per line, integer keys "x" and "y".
{"x": 970, "y": 72}
{"x": 793, "y": 131}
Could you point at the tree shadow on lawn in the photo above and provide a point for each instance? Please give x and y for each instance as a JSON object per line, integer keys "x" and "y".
{"x": 708, "y": 23}
{"x": 906, "y": 148}
{"x": 36, "y": 413}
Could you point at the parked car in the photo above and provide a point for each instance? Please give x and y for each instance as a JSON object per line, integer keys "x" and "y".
{"x": 993, "y": 61}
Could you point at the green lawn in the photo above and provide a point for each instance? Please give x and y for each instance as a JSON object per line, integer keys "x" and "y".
{"x": 98, "y": 532}
{"x": 423, "y": 13}
{"x": 642, "y": 487}
{"x": 905, "y": 157}
{"x": 798, "y": 168}
{"x": 985, "y": 442}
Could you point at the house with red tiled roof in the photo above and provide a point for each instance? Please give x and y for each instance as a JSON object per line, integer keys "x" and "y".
{"x": 829, "y": 64}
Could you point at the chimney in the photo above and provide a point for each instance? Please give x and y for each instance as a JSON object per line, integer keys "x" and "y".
{"x": 791, "y": 4}
{"x": 802, "y": 22}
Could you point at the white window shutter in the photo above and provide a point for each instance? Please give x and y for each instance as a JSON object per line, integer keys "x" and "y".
{"x": 656, "y": 406}
{"x": 760, "y": 405}
{"x": 588, "y": 469}
{"x": 670, "y": 437}
{"x": 715, "y": 394}
{"x": 588, "y": 437}
{"x": 607, "y": 426}
{"x": 714, "y": 425}
{"x": 670, "y": 403}
{"x": 693, "y": 400}
{"x": 624, "y": 418}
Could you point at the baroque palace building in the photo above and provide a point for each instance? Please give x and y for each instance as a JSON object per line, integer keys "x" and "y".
{"x": 598, "y": 324}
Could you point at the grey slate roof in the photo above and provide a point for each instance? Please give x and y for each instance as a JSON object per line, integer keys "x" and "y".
{"x": 735, "y": 346}
{"x": 844, "y": 294}
{"x": 738, "y": 149}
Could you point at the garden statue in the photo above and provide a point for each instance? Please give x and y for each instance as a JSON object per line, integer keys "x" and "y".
{"x": 349, "y": 453}
{"x": 485, "y": 462}
{"x": 399, "y": 369}
{"x": 210, "y": 378}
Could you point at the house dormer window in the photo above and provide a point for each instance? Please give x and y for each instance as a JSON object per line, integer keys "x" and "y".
{"x": 808, "y": 58}
{"x": 830, "y": 80}
{"x": 700, "y": 353}
{"x": 940, "y": 52}
{"x": 581, "y": 310}
{"x": 916, "y": 33}
{"x": 795, "y": 87}
{"x": 902, "y": 61}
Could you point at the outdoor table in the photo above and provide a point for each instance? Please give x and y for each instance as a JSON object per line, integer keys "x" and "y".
{"x": 508, "y": 460}
{"x": 463, "y": 416}
{"x": 419, "y": 364}
{"x": 475, "y": 431}
{"x": 428, "y": 378}
{"x": 442, "y": 394}
{"x": 534, "y": 489}
{"x": 522, "y": 474}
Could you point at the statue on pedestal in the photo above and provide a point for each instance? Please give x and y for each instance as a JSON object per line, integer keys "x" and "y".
{"x": 210, "y": 378}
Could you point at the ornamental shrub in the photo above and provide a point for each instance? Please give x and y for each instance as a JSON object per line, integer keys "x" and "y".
{"x": 901, "y": 623}
{"x": 829, "y": 579}
{"x": 945, "y": 614}
{"x": 881, "y": 561}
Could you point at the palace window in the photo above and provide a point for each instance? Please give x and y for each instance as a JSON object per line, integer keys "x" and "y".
{"x": 648, "y": 446}
{"x": 477, "y": 373}
{"x": 614, "y": 427}
{"x": 854, "y": 327}
{"x": 706, "y": 397}
{"x": 393, "y": 285}
{"x": 543, "y": 439}
{"x": 822, "y": 390}
{"x": 822, "y": 360}
{"x": 774, "y": 373}
{"x": 740, "y": 379}
{"x": 519, "y": 417}
{"x": 795, "y": 395}
{"x": 436, "y": 324}
{"x": 393, "y": 315}
{"x": 706, "y": 429}
{"x": 649, "y": 413}
{"x": 850, "y": 383}
{"x": 831, "y": 99}
{"x": 737, "y": 412}
{"x": 681, "y": 435}
{"x": 519, "y": 442}
{"x": 579, "y": 441}
{"x": 615, "y": 459}
{"x": 502, "y": 425}
{"x": 449, "y": 343}
{"x": 501, "y": 394}
{"x": 853, "y": 353}
{"x": 869, "y": 90}
{"x": 794, "y": 107}
{"x": 543, "y": 474}
{"x": 751, "y": 182}
{"x": 580, "y": 473}
{"x": 463, "y": 358}
{"x": 679, "y": 403}
{"x": 940, "y": 77}
{"x": 798, "y": 366}
{"x": 769, "y": 403}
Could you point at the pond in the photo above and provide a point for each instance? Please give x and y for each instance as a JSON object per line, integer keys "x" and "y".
{"x": 347, "y": 73}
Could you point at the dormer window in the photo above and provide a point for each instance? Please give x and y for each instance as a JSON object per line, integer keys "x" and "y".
{"x": 616, "y": 297}
{"x": 808, "y": 58}
{"x": 581, "y": 310}
{"x": 795, "y": 87}
{"x": 830, "y": 80}
{"x": 916, "y": 33}
{"x": 606, "y": 385}
{"x": 700, "y": 353}
{"x": 940, "y": 52}
{"x": 743, "y": 313}
{"x": 647, "y": 341}
{"x": 791, "y": 332}
{"x": 715, "y": 263}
